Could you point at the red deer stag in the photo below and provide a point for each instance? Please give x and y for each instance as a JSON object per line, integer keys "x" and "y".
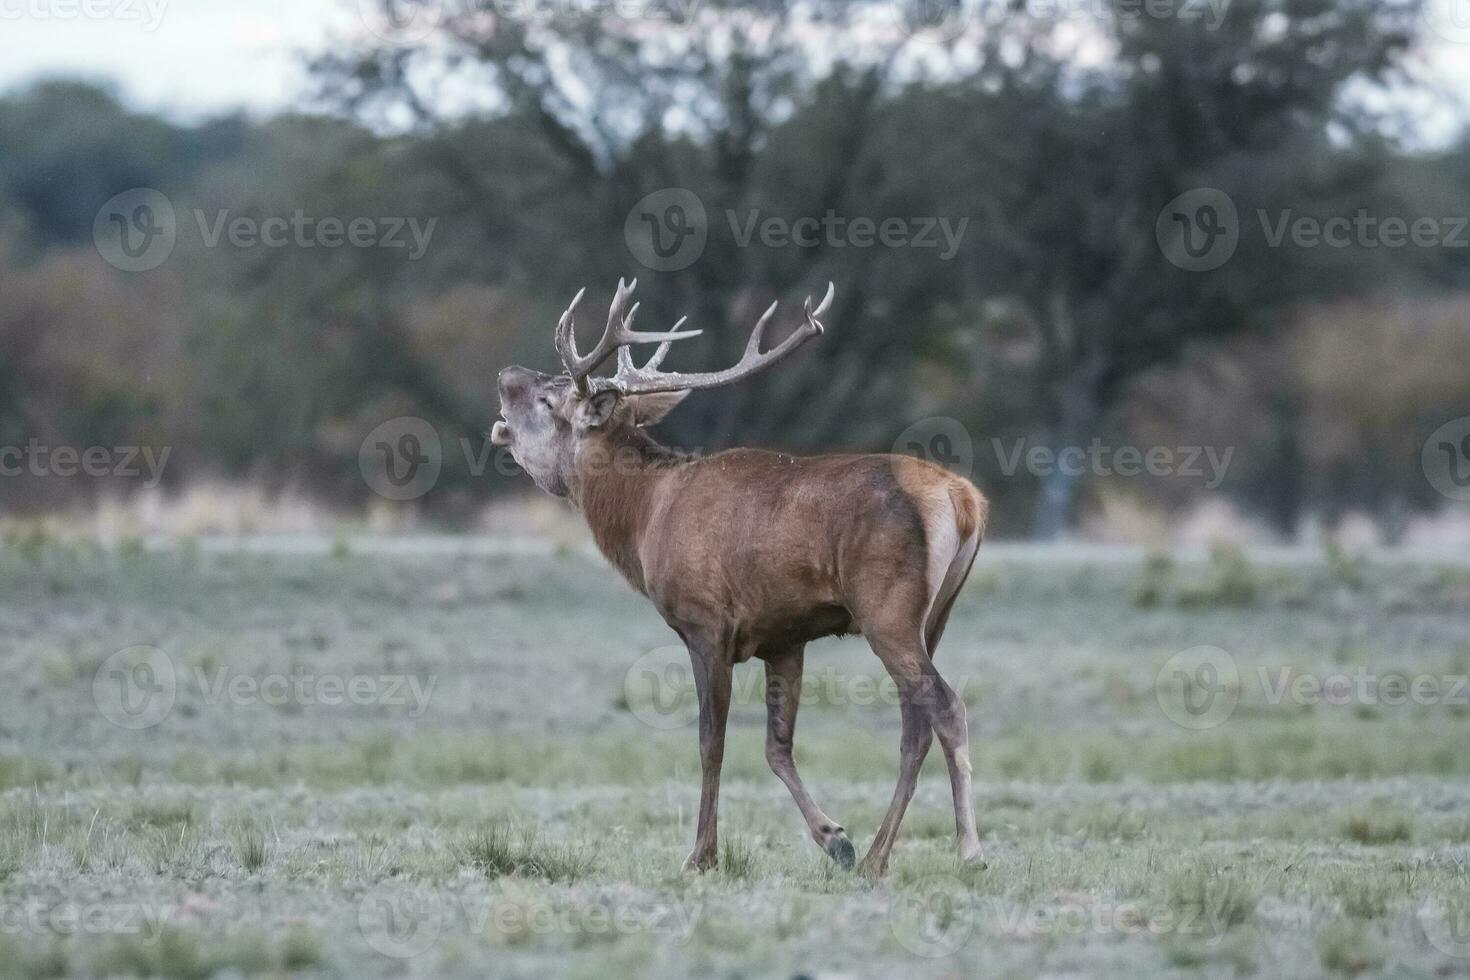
{"x": 755, "y": 554}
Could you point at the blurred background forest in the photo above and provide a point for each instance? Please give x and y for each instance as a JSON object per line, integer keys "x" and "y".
{"x": 529, "y": 133}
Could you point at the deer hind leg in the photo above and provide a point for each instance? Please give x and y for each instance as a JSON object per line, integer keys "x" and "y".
{"x": 783, "y": 696}
{"x": 712, "y": 676}
{"x": 905, "y": 642}
{"x": 947, "y": 712}
{"x": 905, "y": 664}
{"x": 947, "y": 709}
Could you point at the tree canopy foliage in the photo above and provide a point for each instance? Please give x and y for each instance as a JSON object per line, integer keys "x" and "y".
{"x": 1054, "y": 143}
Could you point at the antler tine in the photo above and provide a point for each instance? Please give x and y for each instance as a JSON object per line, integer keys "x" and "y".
{"x": 566, "y": 340}
{"x": 615, "y": 308}
{"x": 814, "y": 317}
{"x": 627, "y": 368}
{"x": 665, "y": 347}
{"x": 753, "y": 345}
{"x": 617, "y": 336}
{"x": 648, "y": 379}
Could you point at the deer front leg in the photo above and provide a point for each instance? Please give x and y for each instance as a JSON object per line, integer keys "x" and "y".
{"x": 783, "y": 696}
{"x": 712, "y": 672}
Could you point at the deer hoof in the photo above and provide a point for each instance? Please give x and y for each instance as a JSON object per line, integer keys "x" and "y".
{"x": 971, "y": 854}
{"x": 698, "y": 863}
{"x": 840, "y": 849}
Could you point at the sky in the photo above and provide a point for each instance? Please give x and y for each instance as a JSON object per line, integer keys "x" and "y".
{"x": 186, "y": 58}
{"x": 189, "y": 59}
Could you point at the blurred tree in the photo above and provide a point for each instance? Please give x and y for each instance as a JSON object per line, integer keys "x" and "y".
{"x": 66, "y": 147}
{"x": 1080, "y": 164}
{"x": 1063, "y": 159}
{"x": 735, "y": 106}
{"x": 532, "y": 141}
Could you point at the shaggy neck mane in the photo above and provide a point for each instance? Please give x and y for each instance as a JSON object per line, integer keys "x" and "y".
{"x": 616, "y": 481}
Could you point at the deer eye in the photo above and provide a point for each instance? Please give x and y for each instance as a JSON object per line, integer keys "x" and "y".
{"x": 545, "y": 402}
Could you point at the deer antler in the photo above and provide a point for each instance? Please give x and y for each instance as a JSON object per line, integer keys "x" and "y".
{"x": 648, "y": 379}
{"x": 617, "y": 335}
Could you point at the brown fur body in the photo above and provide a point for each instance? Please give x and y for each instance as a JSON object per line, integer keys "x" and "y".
{"x": 768, "y": 550}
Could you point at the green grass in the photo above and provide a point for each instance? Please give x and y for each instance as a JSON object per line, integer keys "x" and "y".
{"x": 534, "y": 824}
{"x": 249, "y": 844}
{"x": 179, "y": 955}
{"x": 501, "y": 850}
{"x": 737, "y": 859}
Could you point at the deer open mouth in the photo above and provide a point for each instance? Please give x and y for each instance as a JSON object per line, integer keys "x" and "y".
{"x": 500, "y": 434}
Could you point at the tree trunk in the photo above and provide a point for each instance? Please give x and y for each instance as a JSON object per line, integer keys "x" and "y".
{"x": 1077, "y": 414}
{"x": 1053, "y": 513}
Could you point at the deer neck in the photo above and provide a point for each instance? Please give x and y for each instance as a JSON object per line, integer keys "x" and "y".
{"x": 616, "y": 482}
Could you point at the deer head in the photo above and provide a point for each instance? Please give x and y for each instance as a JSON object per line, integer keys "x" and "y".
{"x": 546, "y": 419}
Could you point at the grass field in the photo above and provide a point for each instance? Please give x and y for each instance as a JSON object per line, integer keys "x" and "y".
{"x": 448, "y": 764}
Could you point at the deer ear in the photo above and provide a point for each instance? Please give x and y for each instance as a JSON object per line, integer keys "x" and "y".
{"x": 651, "y": 409}
{"x": 596, "y": 410}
